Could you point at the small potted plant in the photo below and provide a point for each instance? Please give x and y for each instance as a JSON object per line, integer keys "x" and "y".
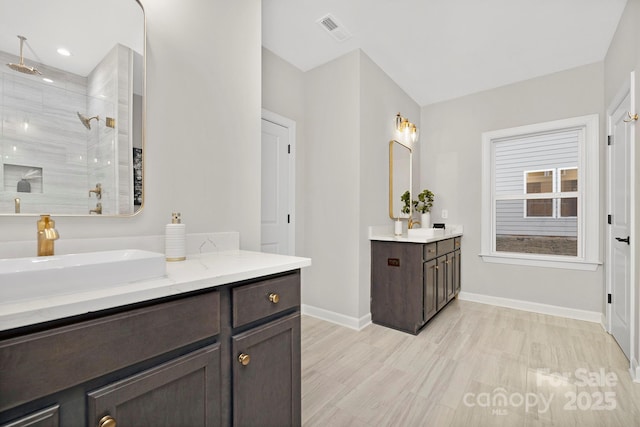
{"x": 424, "y": 205}
{"x": 406, "y": 209}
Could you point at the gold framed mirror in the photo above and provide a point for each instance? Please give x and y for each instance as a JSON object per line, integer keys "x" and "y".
{"x": 72, "y": 89}
{"x": 400, "y": 177}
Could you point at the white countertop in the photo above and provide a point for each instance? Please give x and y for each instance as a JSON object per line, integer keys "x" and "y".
{"x": 199, "y": 271}
{"x": 385, "y": 233}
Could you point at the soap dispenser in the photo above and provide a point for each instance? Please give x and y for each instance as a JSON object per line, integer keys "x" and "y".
{"x": 175, "y": 239}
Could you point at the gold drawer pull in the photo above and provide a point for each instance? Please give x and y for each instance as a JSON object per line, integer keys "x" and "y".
{"x": 274, "y": 298}
{"x": 244, "y": 359}
{"x": 107, "y": 421}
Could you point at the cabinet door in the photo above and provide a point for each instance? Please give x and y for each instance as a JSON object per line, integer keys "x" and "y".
{"x": 441, "y": 285}
{"x": 182, "y": 392}
{"x": 45, "y": 418}
{"x": 456, "y": 271}
{"x": 430, "y": 290}
{"x": 449, "y": 276}
{"x": 266, "y": 374}
{"x": 397, "y": 285}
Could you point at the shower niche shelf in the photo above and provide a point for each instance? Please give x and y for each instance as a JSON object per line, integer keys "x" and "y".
{"x": 13, "y": 175}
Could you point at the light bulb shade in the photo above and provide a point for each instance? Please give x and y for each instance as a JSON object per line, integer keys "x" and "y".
{"x": 414, "y": 133}
{"x": 406, "y": 131}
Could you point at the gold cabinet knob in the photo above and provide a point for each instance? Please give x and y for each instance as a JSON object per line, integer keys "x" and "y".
{"x": 274, "y": 298}
{"x": 107, "y": 421}
{"x": 244, "y": 359}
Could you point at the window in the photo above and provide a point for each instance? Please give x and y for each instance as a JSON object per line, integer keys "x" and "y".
{"x": 537, "y": 182}
{"x": 540, "y": 194}
{"x": 563, "y": 181}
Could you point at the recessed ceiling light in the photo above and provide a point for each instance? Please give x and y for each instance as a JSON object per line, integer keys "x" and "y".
{"x": 64, "y": 52}
{"x": 48, "y": 80}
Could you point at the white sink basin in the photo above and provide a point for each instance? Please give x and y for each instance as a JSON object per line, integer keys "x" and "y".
{"x": 425, "y": 233}
{"x": 37, "y": 277}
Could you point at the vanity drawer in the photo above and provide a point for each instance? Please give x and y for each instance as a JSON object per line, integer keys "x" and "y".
{"x": 445, "y": 246}
{"x": 257, "y": 300}
{"x": 42, "y": 363}
{"x": 456, "y": 243}
{"x": 430, "y": 251}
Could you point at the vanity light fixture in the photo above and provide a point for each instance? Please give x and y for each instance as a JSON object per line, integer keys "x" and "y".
{"x": 407, "y": 131}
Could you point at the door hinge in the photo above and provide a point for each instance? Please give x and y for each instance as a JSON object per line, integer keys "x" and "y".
{"x": 289, "y": 149}
{"x": 609, "y": 298}
{"x": 288, "y": 218}
{"x": 609, "y": 139}
{"x": 609, "y": 219}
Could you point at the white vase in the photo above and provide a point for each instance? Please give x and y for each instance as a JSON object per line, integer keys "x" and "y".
{"x": 425, "y": 221}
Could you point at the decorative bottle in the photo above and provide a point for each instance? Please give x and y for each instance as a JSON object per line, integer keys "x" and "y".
{"x": 175, "y": 239}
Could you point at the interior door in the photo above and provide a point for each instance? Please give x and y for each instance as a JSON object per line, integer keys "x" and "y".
{"x": 275, "y": 189}
{"x": 619, "y": 254}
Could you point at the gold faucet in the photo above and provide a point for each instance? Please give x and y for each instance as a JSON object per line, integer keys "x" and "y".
{"x": 46, "y": 235}
{"x": 97, "y": 190}
{"x": 97, "y": 210}
{"x": 413, "y": 223}
{"x": 16, "y": 204}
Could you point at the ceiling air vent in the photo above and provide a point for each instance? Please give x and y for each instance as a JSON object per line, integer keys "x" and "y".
{"x": 334, "y": 27}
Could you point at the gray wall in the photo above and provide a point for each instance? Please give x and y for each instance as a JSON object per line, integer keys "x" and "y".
{"x": 283, "y": 93}
{"x": 380, "y": 100}
{"x": 332, "y": 138}
{"x": 622, "y": 58}
{"x": 451, "y": 168}
{"x": 344, "y": 122}
{"x": 203, "y": 138}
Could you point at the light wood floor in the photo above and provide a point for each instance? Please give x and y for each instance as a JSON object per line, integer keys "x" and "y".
{"x": 457, "y": 369}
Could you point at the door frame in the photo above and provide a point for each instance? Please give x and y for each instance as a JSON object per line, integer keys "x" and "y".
{"x": 285, "y": 122}
{"x": 627, "y": 88}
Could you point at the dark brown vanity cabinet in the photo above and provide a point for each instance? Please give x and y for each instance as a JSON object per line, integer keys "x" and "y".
{"x": 220, "y": 357}
{"x": 266, "y": 367}
{"x": 266, "y": 375}
{"x": 411, "y": 282}
{"x": 182, "y": 392}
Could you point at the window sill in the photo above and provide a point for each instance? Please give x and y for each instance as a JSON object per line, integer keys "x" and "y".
{"x": 570, "y": 263}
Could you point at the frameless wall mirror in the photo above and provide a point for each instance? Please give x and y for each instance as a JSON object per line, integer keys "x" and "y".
{"x": 72, "y": 86}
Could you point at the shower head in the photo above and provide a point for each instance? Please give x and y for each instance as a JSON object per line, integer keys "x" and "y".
{"x": 21, "y": 67}
{"x": 86, "y": 120}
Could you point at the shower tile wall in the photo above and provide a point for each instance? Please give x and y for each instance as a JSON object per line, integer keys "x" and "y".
{"x": 102, "y": 145}
{"x": 40, "y": 130}
{"x": 125, "y": 131}
{"x": 105, "y": 84}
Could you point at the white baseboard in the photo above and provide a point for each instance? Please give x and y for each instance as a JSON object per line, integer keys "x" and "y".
{"x": 634, "y": 370}
{"x": 554, "y": 310}
{"x": 603, "y": 322}
{"x": 337, "y": 318}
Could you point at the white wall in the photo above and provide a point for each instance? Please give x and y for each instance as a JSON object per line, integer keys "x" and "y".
{"x": 623, "y": 57}
{"x": 202, "y": 153}
{"x": 451, "y": 168}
